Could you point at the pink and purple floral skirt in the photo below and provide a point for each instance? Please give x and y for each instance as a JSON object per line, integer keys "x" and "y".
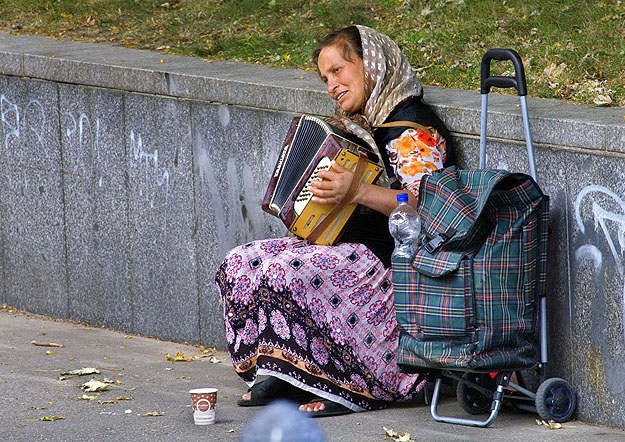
{"x": 319, "y": 317}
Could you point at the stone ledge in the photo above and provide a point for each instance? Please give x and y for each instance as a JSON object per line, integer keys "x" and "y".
{"x": 553, "y": 122}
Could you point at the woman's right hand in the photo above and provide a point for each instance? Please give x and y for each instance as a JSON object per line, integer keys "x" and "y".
{"x": 333, "y": 185}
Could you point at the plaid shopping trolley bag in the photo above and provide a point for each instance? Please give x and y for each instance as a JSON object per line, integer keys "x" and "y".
{"x": 469, "y": 299}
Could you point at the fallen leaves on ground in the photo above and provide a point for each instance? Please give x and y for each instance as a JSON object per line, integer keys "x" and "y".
{"x": 47, "y": 344}
{"x": 51, "y": 418}
{"x": 50, "y": 352}
{"x": 153, "y": 413}
{"x": 552, "y": 425}
{"x": 180, "y": 357}
{"x": 86, "y": 397}
{"x": 404, "y": 437}
{"x": 94, "y": 385}
{"x": 214, "y": 360}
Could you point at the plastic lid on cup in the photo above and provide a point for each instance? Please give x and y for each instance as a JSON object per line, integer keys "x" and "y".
{"x": 402, "y": 197}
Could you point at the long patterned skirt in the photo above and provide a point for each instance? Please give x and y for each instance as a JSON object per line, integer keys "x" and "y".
{"x": 319, "y": 317}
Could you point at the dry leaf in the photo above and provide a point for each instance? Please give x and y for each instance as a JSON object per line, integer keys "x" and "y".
{"x": 51, "y": 418}
{"x": 231, "y": 430}
{"x": 214, "y": 360}
{"x": 94, "y": 385}
{"x": 153, "y": 413}
{"x": 404, "y": 437}
{"x": 47, "y": 344}
{"x": 552, "y": 72}
{"x": 50, "y": 352}
{"x": 206, "y": 353}
{"x": 602, "y": 100}
{"x": 180, "y": 357}
{"x": 85, "y": 397}
{"x": 554, "y": 425}
{"x": 390, "y": 432}
{"x": 81, "y": 372}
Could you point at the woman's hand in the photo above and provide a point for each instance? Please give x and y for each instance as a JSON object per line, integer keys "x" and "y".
{"x": 334, "y": 187}
{"x": 337, "y": 181}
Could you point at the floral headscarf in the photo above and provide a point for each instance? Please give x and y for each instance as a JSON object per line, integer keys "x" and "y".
{"x": 388, "y": 77}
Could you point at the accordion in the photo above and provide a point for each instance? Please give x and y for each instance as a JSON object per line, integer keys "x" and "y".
{"x": 310, "y": 146}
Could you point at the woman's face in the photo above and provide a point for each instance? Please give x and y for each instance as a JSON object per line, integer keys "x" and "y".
{"x": 345, "y": 78}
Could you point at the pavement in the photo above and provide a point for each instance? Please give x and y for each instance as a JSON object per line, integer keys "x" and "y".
{"x": 148, "y": 398}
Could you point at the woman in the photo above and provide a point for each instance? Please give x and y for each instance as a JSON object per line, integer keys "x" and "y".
{"x": 320, "y": 320}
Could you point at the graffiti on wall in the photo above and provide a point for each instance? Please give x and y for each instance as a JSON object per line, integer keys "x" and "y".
{"x": 24, "y": 134}
{"x": 22, "y": 128}
{"x": 86, "y": 136}
{"x": 610, "y": 223}
{"x": 152, "y": 179}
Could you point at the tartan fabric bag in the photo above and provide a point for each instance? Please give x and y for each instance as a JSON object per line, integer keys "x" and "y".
{"x": 469, "y": 298}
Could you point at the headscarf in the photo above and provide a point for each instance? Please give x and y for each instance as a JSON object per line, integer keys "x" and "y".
{"x": 389, "y": 79}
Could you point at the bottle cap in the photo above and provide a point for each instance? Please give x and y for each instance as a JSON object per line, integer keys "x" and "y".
{"x": 402, "y": 197}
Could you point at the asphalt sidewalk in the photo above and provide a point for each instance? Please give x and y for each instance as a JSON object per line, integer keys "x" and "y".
{"x": 148, "y": 398}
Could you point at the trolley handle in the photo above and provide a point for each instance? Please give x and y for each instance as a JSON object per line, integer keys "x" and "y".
{"x": 518, "y": 81}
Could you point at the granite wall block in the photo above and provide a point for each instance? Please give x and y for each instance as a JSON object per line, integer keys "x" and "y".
{"x": 31, "y": 198}
{"x": 96, "y": 205}
{"x": 163, "y": 262}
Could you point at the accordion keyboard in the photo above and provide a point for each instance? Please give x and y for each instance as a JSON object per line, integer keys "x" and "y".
{"x": 305, "y": 195}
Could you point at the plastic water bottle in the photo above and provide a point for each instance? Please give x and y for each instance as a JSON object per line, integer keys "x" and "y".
{"x": 405, "y": 226}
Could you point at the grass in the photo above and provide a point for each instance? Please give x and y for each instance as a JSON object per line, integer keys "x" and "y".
{"x": 572, "y": 49}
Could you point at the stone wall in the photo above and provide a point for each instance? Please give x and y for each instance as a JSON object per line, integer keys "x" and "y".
{"x": 125, "y": 177}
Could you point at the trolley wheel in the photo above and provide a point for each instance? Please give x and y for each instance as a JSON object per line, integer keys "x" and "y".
{"x": 555, "y": 400}
{"x": 471, "y": 400}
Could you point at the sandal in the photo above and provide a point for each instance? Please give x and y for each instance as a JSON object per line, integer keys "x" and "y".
{"x": 274, "y": 388}
{"x": 331, "y": 409}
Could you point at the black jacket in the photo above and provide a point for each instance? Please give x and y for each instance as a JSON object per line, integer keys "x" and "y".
{"x": 370, "y": 227}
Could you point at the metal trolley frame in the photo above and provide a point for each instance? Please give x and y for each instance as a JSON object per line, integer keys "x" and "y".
{"x": 483, "y": 393}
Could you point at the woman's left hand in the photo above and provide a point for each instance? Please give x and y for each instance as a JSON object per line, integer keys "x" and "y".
{"x": 334, "y": 187}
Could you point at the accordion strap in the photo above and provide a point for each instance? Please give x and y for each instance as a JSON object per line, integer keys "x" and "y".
{"x": 361, "y": 167}
{"x": 410, "y": 124}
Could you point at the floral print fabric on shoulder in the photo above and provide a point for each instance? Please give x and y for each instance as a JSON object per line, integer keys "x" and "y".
{"x": 416, "y": 153}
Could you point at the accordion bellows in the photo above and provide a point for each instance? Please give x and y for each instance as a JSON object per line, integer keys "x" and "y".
{"x": 309, "y": 147}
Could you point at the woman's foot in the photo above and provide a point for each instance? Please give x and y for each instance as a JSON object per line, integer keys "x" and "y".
{"x": 324, "y": 408}
{"x": 271, "y": 389}
{"x": 312, "y": 407}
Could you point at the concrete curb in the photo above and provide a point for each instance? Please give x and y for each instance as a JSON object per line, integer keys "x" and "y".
{"x": 553, "y": 122}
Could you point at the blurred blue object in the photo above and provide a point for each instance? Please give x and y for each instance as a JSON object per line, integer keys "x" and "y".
{"x": 281, "y": 421}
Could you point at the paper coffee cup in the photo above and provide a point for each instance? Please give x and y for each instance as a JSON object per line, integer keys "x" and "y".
{"x": 204, "y": 401}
